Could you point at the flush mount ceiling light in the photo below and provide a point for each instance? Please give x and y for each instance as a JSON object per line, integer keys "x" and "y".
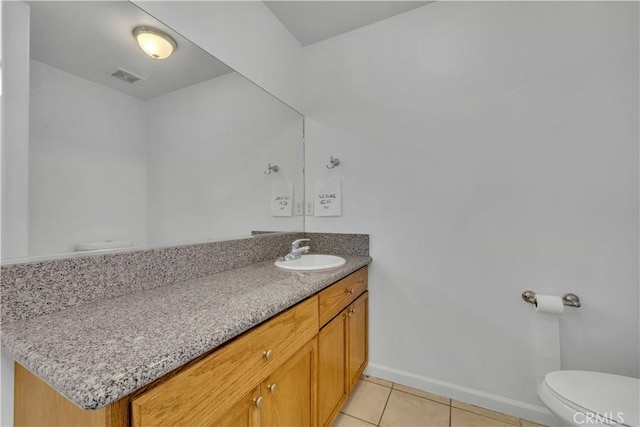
{"x": 154, "y": 43}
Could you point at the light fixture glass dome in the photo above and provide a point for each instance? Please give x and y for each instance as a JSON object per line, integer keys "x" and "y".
{"x": 154, "y": 43}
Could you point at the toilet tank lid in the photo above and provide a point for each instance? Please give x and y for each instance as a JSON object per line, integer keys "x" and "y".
{"x": 612, "y": 396}
{"x": 104, "y": 244}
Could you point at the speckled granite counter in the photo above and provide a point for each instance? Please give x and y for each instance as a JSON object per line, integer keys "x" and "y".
{"x": 99, "y": 353}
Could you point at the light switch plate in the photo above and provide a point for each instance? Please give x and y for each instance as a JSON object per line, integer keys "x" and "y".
{"x": 298, "y": 208}
{"x": 308, "y": 207}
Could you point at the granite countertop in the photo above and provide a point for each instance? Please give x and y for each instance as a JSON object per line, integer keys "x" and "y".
{"x": 99, "y": 353}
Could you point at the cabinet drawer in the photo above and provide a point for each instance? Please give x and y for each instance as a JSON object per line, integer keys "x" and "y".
{"x": 339, "y": 295}
{"x": 202, "y": 392}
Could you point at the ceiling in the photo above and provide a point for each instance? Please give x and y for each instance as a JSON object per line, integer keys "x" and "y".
{"x": 314, "y": 21}
{"x": 92, "y": 39}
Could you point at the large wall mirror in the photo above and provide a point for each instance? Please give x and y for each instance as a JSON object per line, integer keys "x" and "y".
{"x": 131, "y": 151}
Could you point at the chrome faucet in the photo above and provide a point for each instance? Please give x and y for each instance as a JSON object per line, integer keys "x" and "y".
{"x": 296, "y": 252}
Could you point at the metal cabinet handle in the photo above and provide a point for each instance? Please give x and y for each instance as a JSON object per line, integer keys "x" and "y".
{"x": 272, "y": 387}
{"x": 349, "y": 314}
{"x": 350, "y": 291}
{"x": 353, "y": 310}
{"x": 267, "y": 354}
{"x": 258, "y": 401}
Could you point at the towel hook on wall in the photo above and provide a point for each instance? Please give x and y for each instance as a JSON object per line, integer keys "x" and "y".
{"x": 271, "y": 169}
{"x": 334, "y": 162}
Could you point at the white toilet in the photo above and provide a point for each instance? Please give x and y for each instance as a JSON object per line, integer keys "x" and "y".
{"x": 581, "y": 398}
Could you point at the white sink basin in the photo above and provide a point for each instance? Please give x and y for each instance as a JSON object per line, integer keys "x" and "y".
{"x": 312, "y": 262}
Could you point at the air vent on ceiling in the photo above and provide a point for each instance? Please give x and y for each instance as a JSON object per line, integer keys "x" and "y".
{"x": 126, "y": 76}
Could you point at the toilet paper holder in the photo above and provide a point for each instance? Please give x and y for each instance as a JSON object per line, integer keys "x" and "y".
{"x": 570, "y": 300}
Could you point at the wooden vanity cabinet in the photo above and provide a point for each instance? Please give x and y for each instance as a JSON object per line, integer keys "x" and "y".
{"x": 296, "y": 369}
{"x": 343, "y": 351}
{"x": 287, "y": 397}
{"x": 207, "y": 389}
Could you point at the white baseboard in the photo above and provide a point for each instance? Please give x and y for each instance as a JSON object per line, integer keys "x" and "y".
{"x": 516, "y": 408}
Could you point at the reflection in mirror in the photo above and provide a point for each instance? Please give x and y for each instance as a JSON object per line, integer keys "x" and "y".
{"x": 140, "y": 151}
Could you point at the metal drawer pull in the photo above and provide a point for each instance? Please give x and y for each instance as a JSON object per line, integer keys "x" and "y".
{"x": 267, "y": 354}
{"x": 258, "y": 401}
{"x": 353, "y": 310}
{"x": 272, "y": 387}
{"x": 350, "y": 291}
{"x": 349, "y": 314}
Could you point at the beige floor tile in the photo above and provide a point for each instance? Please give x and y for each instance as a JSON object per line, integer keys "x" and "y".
{"x": 404, "y": 409}
{"x": 345, "y": 420}
{"x": 486, "y": 412}
{"x": 525, "y": 423}
{"x": 367, "y": 401}
{"x": 377, "y": 380}
{"x": 461, "y": 418}
{"x": 421, "y": 393}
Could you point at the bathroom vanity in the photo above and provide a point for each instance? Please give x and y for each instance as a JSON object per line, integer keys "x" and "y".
{"x": 294, "y": 364}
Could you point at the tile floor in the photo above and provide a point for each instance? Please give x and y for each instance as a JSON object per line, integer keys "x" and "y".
{"x": 377, "y": 402}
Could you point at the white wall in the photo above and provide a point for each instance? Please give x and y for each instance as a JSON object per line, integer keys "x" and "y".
{"x": 245, "y": 35}
{"x": 488, "y": 148}
{"x": 15, "y": 129}
{"x": 208, "y": 147}
{"x": 87, "y": 154}
{"x": 14, "y": 159}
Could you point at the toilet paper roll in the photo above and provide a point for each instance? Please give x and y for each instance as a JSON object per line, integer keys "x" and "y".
{"x": 549, "y": 304}
{"x": 547, "y": 335}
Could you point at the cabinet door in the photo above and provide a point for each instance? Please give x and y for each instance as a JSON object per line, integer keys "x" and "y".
{"x": 358, "y": 338}
{"x": 332, "y": 372}
{"x": 245, "y": 413}
{"x": 290, "y": 392}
